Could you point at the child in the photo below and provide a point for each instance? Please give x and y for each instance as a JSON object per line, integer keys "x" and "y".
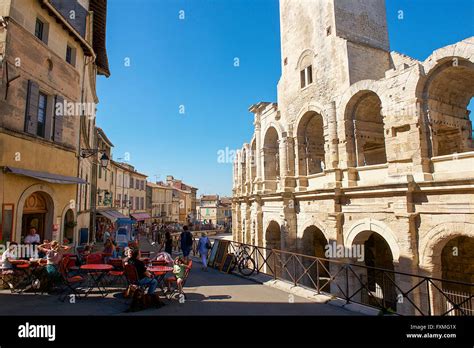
{"x": 179, "y": 269}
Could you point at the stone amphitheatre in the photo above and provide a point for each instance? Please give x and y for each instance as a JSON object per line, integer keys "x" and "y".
{"x": 363, "y": 146}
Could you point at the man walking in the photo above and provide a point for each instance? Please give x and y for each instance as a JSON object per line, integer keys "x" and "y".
{"x": 186, "y": 241}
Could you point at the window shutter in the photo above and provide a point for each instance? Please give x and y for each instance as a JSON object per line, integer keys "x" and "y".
{"x": 58, "y": 120}
{"x": 48, "y": 122}
{"x": 31, "y": 117}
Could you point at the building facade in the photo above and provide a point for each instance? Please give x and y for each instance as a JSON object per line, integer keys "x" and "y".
{"x": 160, "y": 201}
{"x": 48, "y": 69}
{"x": 215, "y": 210}
{"x": 365, "y": 146}
{"x": 185, "y": 195}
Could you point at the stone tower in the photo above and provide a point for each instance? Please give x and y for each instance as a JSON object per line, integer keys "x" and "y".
{"x": 344, "y": 41}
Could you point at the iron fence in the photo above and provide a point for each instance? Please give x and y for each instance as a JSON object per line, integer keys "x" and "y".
{"x": 388, "y": 290}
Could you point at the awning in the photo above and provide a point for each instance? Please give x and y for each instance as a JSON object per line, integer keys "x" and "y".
{"x": 140, "y": 216}
{"x": 111, "y": 214}
{"x": 43, "y": 176}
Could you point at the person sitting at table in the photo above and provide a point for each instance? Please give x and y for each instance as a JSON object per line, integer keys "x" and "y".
{"x": 179, "y": 269}
{"x": 109, "y": 248}
{"x": 54, "y": 254}
{"x": 116, "y": 253}
{"x": 145, "y": 278}
{"x": 9, "y": 255}
{"x": 32, "y": 237}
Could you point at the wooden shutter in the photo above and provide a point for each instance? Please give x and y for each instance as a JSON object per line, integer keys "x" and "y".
{"x": 58, "y": 120}
{"x": 31, "y": 117}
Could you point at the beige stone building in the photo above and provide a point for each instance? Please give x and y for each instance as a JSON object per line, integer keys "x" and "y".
{"x": 215, "y": 210}
{"x": 185, "y": 195}
{"x": 159, "y": 202}
{"x": 122, "y": 188}
{"x": 365, "y": 146}
{"x": 48, "y": 69}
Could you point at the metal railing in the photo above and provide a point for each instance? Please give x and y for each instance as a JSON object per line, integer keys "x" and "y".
{"x": 390, "y": 291}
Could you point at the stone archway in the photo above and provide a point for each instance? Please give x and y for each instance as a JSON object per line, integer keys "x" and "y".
{"x": 37, "y": 213}
{"x": 447, "y": 253}
{"x": 69, "y": 226}
{"x": 365, "y": 128}
{"x": 314, "y": 243}
{"x": 380, "y": 250}
{"x": 447, "y": 92}
{"x": 48, "y": 194}
{"x": 272, "y": 241}
{"x": 271, "y": 155}
{"x": 311, "y": 144}
{"x": 273, "y": 235}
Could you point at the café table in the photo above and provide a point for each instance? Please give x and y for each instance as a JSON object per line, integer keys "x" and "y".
{"x": 160, "y": 272}
{"x": 28, "y": 271}
{"x": 96, "y": 272}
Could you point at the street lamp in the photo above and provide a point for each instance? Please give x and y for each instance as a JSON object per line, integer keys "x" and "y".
{"x": 104, "y": 161}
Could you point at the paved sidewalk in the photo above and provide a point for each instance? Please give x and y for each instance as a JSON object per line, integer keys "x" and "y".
{"x": 208, "y": 293}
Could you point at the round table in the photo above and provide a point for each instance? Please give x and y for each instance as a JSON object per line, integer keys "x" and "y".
{"x": 159, "y": 269}
{"x": 97, "y": 271}
{"x": 19, "y": 262}
{"x": 28, "y": 268}
{"x": 160, "y": 272}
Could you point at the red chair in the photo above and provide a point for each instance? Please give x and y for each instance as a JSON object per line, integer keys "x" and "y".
{"x": 132, "y": 278}
{"x": 71, "y": 283}
{"x": 173, "y": 280}
{"x": 94, "y": 258}
{"x": 118, "y": 272}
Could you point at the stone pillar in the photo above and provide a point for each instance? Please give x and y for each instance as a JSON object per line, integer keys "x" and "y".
{"x": 248, "y": 222}
{"x": 248, "y": 168}
{"x": 289, "y": 231}
{"x": 332, "y": 140}
{"x": 282, "y": 150}
{"x": 239, "y": 173}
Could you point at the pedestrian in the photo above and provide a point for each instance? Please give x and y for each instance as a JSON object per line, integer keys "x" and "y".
{"x": 167, "y": 243}
{"x": 186, "y": 241}
{"x": 204, "y": 245}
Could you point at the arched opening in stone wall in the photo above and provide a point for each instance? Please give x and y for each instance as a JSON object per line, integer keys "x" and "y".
{"x": 447, "y": 94}
{"x": 376, "y": 253}
{"x": 69, "y": 225}
{"x": 313, "y": 243}
{"x": 272, "y": 241}
{"x": 457, "y": 264}
{"x": 310, "y": 135}
{"x": 271, "y": 154}
{"x": 38, "y": 213}
{"x": 253, "y": 160}
{"x": 273, "y": 236}
{"x": 365, "y": 125}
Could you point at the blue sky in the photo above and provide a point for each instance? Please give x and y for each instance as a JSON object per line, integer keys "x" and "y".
{"x": 189, "y": 63}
